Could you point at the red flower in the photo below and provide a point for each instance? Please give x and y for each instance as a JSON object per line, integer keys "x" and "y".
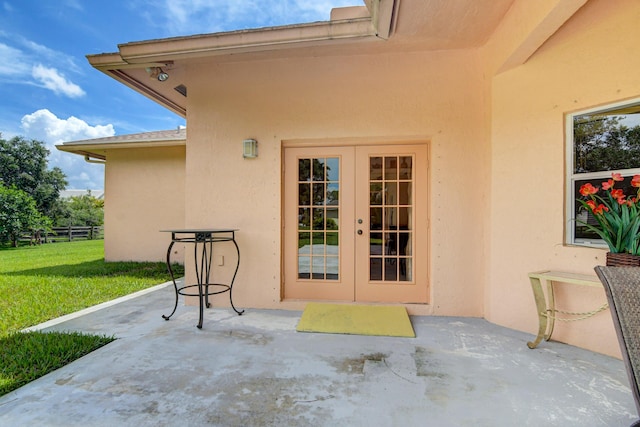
{"x": 588, "y": 189}
{"x": 600, "y": 209}
{"x": 617, "y": 223}
{"x": 596, "y": 209}
{"x": 617, "y": 194}
{"x": 608, "y": 184}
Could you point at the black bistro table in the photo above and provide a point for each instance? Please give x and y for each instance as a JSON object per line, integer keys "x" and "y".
{"x": 202, "y": 240}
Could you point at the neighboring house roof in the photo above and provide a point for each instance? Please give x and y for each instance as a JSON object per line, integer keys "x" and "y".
{"x": 67, "y": 194}
{"x": 96, "y": 148}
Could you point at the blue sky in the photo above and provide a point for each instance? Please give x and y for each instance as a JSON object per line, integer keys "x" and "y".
{"x": 49, "y": 92}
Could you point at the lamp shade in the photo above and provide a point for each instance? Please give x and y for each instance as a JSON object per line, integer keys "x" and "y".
{"x": 249, "y": 148}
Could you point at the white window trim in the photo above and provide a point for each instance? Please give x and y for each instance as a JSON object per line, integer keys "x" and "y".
{"x": 571, "y": 177}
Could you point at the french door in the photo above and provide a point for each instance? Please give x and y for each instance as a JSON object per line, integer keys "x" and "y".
{"x": 355, "y": 223}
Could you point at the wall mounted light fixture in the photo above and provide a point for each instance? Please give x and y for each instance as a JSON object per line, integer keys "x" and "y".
{"x": 162, "y": 76}
{"x": 249, "y": 148}
{"x": 157, "y": 73}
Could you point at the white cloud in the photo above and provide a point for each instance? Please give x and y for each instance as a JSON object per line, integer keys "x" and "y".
{"x": 53, "y": 80}
{"x": 45, "y": 126}
{"x": 75, "y": 4}
{"x": 14, "y": 62}
{"x": 27, "y": 62}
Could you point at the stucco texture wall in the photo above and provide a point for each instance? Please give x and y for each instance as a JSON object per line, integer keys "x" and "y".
{"x": 149, "y": 184}
{"x": 429, "y": 96}
{"x": 591, "y": 60}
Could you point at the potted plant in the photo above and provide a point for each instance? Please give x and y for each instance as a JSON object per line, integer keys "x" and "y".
{"x": 617, "y": 216}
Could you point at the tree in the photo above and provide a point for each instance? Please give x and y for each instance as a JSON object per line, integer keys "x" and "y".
{"x": 83, "y": 210}
{"x": 18, "y": 213}
{"x": 61, "y": 215}
{"x": 24, "y": 164}
{"x": 602, "y": 143}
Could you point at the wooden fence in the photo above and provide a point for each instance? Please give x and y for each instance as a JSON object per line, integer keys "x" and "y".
{"x": 66, "y": 234}
{"x": 74, "y": 233}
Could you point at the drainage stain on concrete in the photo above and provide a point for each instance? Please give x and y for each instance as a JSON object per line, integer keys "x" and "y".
{"x": 356, "y": 365}
{"x": 427, "y": 365}
{"x": 63, "y": 381}
{"x": 269, "y": 401}
{"x": 151, "y": 408}
{"x": 250, "y": 337}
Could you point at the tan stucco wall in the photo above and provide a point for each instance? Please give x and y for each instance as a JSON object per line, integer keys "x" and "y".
{"x": 429, "y": 96}
{"x": 591, "y": 60}
{"x": 148, "y": 195}
{"x": 494, "y": 122}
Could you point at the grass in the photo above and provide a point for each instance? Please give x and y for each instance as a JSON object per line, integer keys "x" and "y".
{"x": 39, "y": 283}
{"x": 25, "y": 357}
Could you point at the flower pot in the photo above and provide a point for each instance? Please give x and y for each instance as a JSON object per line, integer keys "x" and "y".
{"x": 622, "y": 260}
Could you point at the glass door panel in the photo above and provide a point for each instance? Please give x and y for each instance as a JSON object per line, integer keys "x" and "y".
{"x": 318, "y": 224}
{"x": 319, "y": 218}
{"x": 390, "y": 204}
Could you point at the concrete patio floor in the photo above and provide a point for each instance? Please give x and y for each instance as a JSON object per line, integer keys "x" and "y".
{"x": 256, "y": 370}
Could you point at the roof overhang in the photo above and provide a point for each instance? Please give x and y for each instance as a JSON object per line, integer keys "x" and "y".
{"x": 509, "y": 31}
{"x": 129, "y": 65}
{"x": 98, "y": 148}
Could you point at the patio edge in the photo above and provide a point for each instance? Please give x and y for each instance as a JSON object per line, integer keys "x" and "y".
{"x": 94, "y": 308}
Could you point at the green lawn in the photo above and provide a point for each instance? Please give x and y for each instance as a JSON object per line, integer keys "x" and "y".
{"x": 39, "y": 283}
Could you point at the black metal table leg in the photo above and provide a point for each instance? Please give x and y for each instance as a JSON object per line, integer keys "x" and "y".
{"x": 203, "y": 273}
{"x": 234, "y": 278}
{"x": 203, "y": 240}
{"x": 173, "y": 279}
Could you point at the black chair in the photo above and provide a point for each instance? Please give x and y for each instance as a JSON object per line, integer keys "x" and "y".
{"x": 622, "y": 286}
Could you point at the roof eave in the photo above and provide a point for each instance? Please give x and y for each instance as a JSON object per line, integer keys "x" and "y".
{"x": 245, "y": 41}
{"x": 152, "y": 53}
{"x": 98, "y": 150}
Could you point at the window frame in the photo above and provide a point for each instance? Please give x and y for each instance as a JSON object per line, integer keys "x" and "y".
{"x": 571, "y": 177}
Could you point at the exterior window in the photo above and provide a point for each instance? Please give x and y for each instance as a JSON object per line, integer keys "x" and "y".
{"x": 599, "y": 142}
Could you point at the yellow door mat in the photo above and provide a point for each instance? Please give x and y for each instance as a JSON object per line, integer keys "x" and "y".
{"x": 379, "y": 320}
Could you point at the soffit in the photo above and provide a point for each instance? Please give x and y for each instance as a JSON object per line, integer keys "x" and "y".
{"x": 447, "y": 24}
{"x": 409, "y": 25}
